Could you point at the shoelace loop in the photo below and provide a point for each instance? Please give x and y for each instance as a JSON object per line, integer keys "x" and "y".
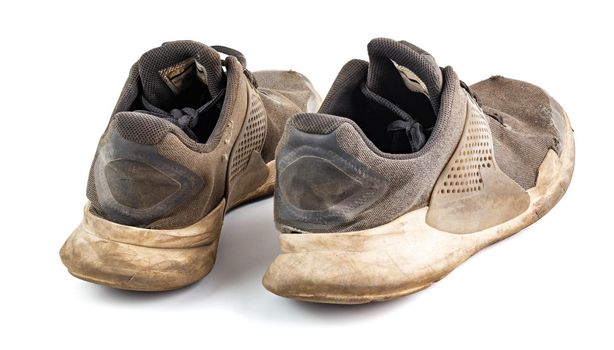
{"x": 240, "y": 57}
{"x": 185, "y": 118}
{"x": 412, "y": 130}
{"x": 407, "y": 126}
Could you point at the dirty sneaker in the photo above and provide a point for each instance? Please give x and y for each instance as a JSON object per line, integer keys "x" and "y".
{"x": 406, "y": 172}
{"x": 191, "y": 136}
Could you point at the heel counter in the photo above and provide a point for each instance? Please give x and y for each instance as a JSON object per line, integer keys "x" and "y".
{"x": 133, "y": 184}
{"x": 320, "y": 186}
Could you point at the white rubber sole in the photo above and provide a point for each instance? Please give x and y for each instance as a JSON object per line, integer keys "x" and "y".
{"x": 133, "y": 258}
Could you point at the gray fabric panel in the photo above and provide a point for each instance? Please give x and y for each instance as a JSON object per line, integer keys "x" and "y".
{"x": 147, "y": 129}
{"x": 143, "y": 128}
{"x": 319, "y": 185}
{"x": 128, "y": 168}
{"x": 350, "y": 77}
{"x": 528, "y": 130}
{"x": 327, "y": 120}
{"x": 204, "y": 159}
{"x": 381, "y": 69}
{"x": 129, "y": 92}
{"x": 169, "y": 54}
{"x": 409, "y": 177}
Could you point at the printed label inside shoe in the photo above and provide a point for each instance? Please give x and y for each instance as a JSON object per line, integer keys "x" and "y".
{"x": 411, "y": 80}
{"x": 182, "y": 75}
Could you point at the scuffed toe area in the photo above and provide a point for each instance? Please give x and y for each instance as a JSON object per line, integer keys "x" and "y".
{"x": 283, "y": 94}
{"x": 293, "y": 85}
{"x": 526, "y": 123}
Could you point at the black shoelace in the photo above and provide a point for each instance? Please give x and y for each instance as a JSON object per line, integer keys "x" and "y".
{"x": 406, "y": 127}
{"x": 185, "y": 118}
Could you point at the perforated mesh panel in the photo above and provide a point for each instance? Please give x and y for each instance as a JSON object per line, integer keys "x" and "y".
{"x": 475, "y": 151}
{"x": 252, "y": 136}
{"x": 141, "y": 128}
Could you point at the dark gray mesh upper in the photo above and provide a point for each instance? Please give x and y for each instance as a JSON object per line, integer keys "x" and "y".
{"x": 409, "y": 177}
{"x": 145, "y": 78}
{"x": 528, "y": 129}
{"x": 142, "y": 118}
{"x": 382, "y": 70}
{"x": 153, "y": 61}
{"x": 525, "y": 123}
{"x": 142, "y": 128}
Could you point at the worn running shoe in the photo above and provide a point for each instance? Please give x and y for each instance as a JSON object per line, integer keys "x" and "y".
{"x": 191, "y": 136}
{"x": 406, "y": 172}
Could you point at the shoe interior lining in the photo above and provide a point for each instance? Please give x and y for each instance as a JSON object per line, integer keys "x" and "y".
{"x": 374, "y": 119}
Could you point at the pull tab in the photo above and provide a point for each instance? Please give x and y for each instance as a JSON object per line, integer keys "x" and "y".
{"x": 386, "y": 54}
{"x": 231, "y": 52}
{"x": 240, "y": 57}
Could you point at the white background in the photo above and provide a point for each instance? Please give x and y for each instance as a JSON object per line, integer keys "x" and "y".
{"x": 62, "y": 66}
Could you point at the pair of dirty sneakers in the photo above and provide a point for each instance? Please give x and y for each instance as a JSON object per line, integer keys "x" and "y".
{"x": 397, "y": 177}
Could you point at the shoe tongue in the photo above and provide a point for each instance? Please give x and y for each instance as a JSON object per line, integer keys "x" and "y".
{"x": 399, "y": 64}
{"x": 169, "y": 70}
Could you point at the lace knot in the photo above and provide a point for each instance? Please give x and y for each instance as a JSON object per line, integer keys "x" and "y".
{"x": 411, "y": 130}
{"x": 185, "y": 117}
{"x": 406, "y": 131}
